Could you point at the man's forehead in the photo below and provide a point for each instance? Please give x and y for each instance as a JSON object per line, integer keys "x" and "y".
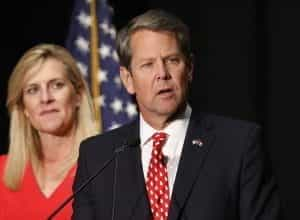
{"x": 151, "y": 42}
{"x": 141, "y": 33}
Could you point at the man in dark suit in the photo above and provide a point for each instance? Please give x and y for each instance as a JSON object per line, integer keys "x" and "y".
{"x": 202, "y": 166}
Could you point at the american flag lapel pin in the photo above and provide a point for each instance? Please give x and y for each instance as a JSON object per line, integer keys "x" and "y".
{"x": 197, "y": 142}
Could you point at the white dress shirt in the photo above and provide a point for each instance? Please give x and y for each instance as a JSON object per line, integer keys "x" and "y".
{"x": 176, "y": 132}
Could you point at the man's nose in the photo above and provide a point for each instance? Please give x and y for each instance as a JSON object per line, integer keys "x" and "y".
{"x": 162, "y": 70}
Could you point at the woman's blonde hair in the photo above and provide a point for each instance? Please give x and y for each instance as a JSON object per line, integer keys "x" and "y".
{"x": 24, "y": 144}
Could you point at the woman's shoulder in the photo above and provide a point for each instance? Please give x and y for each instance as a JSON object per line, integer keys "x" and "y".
{"x": 2, "y": 162}
{"x": 3, "y": 158}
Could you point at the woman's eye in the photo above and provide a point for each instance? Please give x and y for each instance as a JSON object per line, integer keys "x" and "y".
{"x": 32, "y": 90}
{"x": 57, "y": 84}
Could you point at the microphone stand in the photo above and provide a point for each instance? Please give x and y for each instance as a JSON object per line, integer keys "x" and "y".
{"x": 87, "y": 181}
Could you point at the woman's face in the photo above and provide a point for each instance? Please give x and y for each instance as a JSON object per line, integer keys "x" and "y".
{"x": 49, "y": 98}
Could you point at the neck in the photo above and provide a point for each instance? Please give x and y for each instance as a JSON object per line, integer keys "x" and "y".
{"x": 56, "y": 148}
{"x": 159, "y": 122}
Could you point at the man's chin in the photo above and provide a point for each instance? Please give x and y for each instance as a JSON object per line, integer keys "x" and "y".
{"x": 171, "y": 111}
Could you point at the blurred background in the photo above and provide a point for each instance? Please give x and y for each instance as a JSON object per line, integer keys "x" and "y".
{"x": 246, "y": 64}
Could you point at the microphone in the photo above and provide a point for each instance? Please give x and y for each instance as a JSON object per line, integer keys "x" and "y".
{"x": 117, "y": 151}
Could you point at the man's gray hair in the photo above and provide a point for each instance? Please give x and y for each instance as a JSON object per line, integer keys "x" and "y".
{"x": 155, "y": 20}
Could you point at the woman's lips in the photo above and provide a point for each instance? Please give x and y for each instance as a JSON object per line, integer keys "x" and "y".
{"x": 45, "y": 112}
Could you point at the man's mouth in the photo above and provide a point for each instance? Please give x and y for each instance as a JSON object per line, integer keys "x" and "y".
{"x": 165, "y": 92}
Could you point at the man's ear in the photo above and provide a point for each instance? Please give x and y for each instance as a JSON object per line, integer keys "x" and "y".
{"x": 127, "y": 80}
{"x": 190, "y": 71}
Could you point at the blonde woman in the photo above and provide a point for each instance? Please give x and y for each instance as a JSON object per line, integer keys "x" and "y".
{"x": 50, "y": 113}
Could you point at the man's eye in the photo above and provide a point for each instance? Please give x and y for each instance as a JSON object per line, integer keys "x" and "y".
{"x": 173, "y": 60}
{"x": 147, "y": 65}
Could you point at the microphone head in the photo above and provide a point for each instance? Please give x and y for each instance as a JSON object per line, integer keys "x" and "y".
{"x": 128, "y": 143}
{"x": 133, "y": 142}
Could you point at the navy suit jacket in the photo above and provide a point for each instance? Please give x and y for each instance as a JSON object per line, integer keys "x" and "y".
{"x": 224, "y": 178}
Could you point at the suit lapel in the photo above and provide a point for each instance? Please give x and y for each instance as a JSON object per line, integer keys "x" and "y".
{"x": 131, "y": 191}
{"x": 196, "y": 145}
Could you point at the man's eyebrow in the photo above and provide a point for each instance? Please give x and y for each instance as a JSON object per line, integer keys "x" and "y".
{"x": 174, "y": 54}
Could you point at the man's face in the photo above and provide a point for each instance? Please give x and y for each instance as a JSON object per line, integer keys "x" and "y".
{"x": 159, "y": 73}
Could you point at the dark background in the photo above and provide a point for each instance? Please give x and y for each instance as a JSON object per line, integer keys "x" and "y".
{"x": 246, "y": 55}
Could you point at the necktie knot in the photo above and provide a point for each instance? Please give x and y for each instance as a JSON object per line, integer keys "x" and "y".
{"x": 159, "y": 139}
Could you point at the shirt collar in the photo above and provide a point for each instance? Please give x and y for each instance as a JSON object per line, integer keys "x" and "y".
{"x": 175, "y": 128}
